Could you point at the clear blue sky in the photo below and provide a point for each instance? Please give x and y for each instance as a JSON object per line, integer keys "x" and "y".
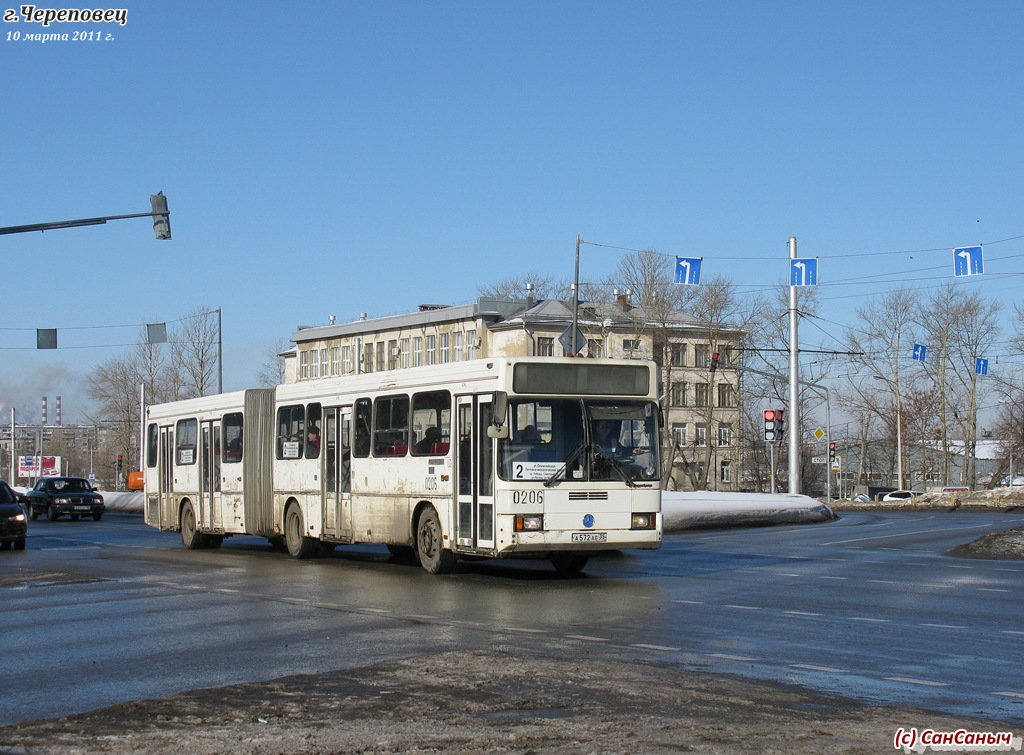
{"x": 332, "y": 158}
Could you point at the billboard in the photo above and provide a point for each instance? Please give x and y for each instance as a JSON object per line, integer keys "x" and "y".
{"x": 28, "y": 465}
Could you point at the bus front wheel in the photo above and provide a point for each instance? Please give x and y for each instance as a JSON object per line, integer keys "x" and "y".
{"x": 569, "y": 563}
{"x": 434, "y": 557}
{"x": 299, "y": 546}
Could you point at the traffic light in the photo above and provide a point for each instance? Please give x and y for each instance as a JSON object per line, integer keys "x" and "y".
{"x": 161, "y": 216}
{"x": 773, "y": 425}
{"x": 831, "y": 452}
{"x": 714, "y": 361}
{"x": 120, "y": 460}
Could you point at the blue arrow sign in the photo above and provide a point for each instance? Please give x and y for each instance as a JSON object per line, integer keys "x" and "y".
{"x": 803, "y": 272}
{"x": 968, "y": 260}
{"x": 919, "y": 352}
{"x": 981, "y": 366}
{"x": 688, "y": 270}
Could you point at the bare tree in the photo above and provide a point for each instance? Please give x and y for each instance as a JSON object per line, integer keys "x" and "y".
{"x": 194, "y": 356}
{"x": 271, "y": 371}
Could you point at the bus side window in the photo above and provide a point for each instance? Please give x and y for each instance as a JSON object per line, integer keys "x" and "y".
{"x": 291, "y": 425}
{"x": 391, "y": 426}
{"x": 152, "y": 436}
{"x": 232, "y": 429}
{"x": 186, "y": 438}
{"x": 361, "y": 449}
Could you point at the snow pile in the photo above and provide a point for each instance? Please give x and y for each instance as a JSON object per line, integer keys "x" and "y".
{"x": 703, "y": 508}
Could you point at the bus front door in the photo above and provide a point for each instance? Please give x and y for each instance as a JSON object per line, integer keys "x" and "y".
{"x": 168, "y": 508}
{"x": 337, "y": 511}
{"x": 474, "y": 510}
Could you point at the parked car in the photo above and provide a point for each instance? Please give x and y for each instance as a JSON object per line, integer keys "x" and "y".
{"x": 901, "y": 495}
{"x": 13, "y": 522}
{"x": 56, "y": 496}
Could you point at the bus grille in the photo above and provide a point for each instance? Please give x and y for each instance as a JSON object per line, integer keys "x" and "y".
{"x": 588, "y": 495}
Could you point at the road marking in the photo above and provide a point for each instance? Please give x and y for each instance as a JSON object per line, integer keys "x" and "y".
{"x": 422, "y": 617}
{"x": 904, "y": 534}
{"x": 868, "y": 618}
{"x": 586, "y": 638}
{"x": 689, "y": 602}
{"x": 923, "y": 682}
{"x": 745, "y": 608}
{"x": 992, "y": 589}
{"x": 826, "y": 669}
{"x": 833, "y": 577}
{"x": 731, "y": 657}
{"x": 526, "y": 630}
{"x": 885, "y": 581}
{"x": 803, "y": 613}
{"x": 1010, "y": 694}
{"x": 944, "y": 626}
{"x": 1011, "y": 631}
{"x": 654, "y": 647}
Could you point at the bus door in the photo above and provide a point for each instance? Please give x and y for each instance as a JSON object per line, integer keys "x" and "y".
{"x": 209, "y": 476}
{"x": 474, "y": 462}
{"x": 337, "y": 475}
{"x": 168, "y": 510}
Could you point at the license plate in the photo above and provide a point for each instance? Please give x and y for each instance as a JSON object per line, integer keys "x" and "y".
{"x": 82, "y": 508}
{"x": 590, "y": 537}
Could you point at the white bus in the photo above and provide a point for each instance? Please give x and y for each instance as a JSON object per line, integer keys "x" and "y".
{"x": 508, "y": 457}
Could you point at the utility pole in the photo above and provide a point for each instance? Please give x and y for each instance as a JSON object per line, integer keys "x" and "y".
{"x": 794, "y": 385}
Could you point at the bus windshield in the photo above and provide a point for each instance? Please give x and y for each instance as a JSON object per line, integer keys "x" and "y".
{"x": 554, "y": 439}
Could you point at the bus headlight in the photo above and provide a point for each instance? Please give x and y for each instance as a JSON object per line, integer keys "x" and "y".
{"x": 643, "y": 521}
{"x": 529, "y": 522}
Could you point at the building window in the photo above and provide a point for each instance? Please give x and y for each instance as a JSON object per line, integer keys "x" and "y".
{"x": 368, "y": 357}
{"x": 702, "y": 355}
{"x": 677, "y": 355}
{"x": 702, "y": 395}
{"x": 457, "y": 346}
{"x": 630, "y": 344}
{"x": 417, "y": 351}
{"x": 445, "y": 352}
{"x": 725, "y": 434}
{"x": 431, "y": 349}
{"x": 324, "y": 363}
{"x": 545, "y": 347}
{"x": 314, "y": 364}
{"x": 346, "y": 360}
{"x": 405, "y": 352}
{"x": 726, "y": 395}
{"x": 381, "y": 358}
{"x": 471, "y": 344}
{"x": 679, "y": 433}
{"x": 335, "y": 360}
{"x": 392, "y": 355}
{"x": 702, "y": 435}
{"x": 595, "y": 347}
{"x": 678, "y": 394}
{"x": 726, "y": 471}
{"x": 303, "y": 365}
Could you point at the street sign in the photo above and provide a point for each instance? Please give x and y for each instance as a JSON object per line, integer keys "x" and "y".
{"x": 566, "y": 340}
{"x": 819, "y": 460}
{"x": 803, "y": 272}
{"x": 688, "y": 270}
{"x": 968, "y": 260}
{"x": 837, "y": 464}
{"x": 819, "y": 433}
{"x": 981, "y": 366}
{"x": 920, "y": 351}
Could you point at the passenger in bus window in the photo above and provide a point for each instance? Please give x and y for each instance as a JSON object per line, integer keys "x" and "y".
{"x": 530, "y": 435}
{"x": 362, "y": 447}
{"x": 604, "y": 440}
{"x": 426, "y": 444}
{"x": 313, "y": 442}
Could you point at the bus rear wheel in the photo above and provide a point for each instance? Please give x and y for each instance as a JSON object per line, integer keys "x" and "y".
{"x": 191, "y": 537}
{"x": 434, "y": 557}
{"x": 569, "y": 563}
{"x": 299, "y": 546}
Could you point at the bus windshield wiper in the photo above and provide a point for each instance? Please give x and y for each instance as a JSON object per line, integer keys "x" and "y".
{"x": 614, "y": 465}
{"x": 565, "y": 465}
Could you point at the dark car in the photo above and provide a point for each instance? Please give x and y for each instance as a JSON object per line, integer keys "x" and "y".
{"x": 56, "y": 496}
{"x": 13, "y": 522}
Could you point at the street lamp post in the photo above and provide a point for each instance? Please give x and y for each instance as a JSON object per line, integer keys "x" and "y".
{"x": 899, "y": 429}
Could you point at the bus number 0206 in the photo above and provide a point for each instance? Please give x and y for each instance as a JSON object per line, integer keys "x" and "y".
{"x": 531, "y": 497}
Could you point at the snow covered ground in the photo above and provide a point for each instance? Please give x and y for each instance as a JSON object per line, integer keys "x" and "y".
{"x": 681, "y": 510}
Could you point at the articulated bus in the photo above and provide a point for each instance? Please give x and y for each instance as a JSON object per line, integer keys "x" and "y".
{"x": 553, "y": 458}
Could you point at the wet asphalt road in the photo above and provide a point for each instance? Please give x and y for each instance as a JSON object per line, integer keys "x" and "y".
{"x": 96, "y": 613}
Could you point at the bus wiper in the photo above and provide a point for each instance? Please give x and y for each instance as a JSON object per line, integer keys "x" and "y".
{"x": 565, "y": 465}
{"x": 614, "y": 465}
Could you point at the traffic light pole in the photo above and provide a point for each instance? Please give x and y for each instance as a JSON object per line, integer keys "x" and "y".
{"x": 160, "y": 215}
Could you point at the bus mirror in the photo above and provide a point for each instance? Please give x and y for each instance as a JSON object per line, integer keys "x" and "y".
{"x": 499, "y": 408}
{"x": 501, "y": 433}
